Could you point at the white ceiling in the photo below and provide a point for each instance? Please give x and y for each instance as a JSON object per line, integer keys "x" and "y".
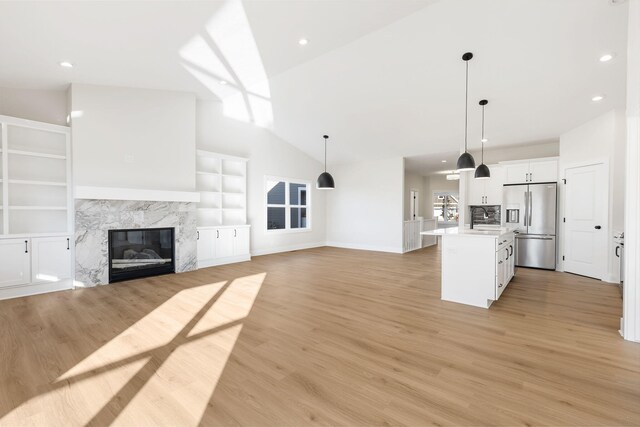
{"x": 382, "y": 78}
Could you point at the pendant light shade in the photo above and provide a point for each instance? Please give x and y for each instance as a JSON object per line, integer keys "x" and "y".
{"x": 483, "y": 172}
{"x": 325, "y": 180}
{"x": 466, "y": 161}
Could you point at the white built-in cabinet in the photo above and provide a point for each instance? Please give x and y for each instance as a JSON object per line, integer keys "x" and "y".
{"x": 36, "y": 209}
{"x": 505, "y": 262}
{"x": 223, "y": 245}
{"x": 223, "y": 233}
{"x": 486, "y": 191}
{"x": 538, "y": 170}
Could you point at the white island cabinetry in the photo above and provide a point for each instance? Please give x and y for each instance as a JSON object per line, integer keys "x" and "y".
{"x": 477, "y": 265}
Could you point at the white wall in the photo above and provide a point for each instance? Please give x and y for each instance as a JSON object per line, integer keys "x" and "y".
{"x": 133, "y": 138}
{"x": 49, "y": 106}
{"x": 365, "y": 211}
{"x": 268, "y": 155}
{"x": 533, "y": 150}
{"x": 631, "y": 315}
{"x": 601, "y": 139}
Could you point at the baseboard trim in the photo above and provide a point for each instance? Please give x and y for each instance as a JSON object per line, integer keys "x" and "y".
{"x": 289, "y": 248}
{"x": 223, "y": 261}
{"x": 35, "y": 289}
{"x": 389, "y": 249}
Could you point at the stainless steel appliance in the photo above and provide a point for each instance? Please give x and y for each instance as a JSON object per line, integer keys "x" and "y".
{"x": 619, "y": 239}
{"x": 531, "y": 208}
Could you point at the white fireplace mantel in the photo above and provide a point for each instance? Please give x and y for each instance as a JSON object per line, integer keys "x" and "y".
{"x": 112, "y": 193}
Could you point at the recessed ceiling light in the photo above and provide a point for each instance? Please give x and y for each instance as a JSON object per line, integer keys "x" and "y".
{"x": 223, "y": 82}
{"x": 485, "y": 140}
{"x": 66, "y": 64}
{"x": 444, "y": 161}
{"x": 606, "y": 58}
{"x": 597, "y": 98}
{"x": 303, "y": 42}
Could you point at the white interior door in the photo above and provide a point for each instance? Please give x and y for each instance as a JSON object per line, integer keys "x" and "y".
{"x": 586, "y": 219}
{"x": 413, "y": 201}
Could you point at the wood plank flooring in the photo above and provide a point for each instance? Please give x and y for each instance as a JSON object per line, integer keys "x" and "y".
{"x": 323, "y": 336}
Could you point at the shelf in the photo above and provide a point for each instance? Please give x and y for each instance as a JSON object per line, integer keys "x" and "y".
{"x": 208, "y": 209}
{"x": 232, "y": 209}
{"x": 37, "y": 154}
{"x": 232, "y": 192}
{"x": 38, "y": 208}
{"x": 227, "y": 175}
{"x": 208, "y": 173}
{"x": 28, "y": 182}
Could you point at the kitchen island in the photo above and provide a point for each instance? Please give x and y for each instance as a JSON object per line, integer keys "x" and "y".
{"x": 477, "y": 264}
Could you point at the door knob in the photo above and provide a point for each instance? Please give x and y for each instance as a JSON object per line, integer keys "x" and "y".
{"x": 597, "y": 227}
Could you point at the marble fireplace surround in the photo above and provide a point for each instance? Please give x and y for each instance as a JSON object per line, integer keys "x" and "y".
{"x": 93, "y": 219}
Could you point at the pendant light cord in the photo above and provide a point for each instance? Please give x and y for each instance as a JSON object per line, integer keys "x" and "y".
{"x": 325, "y": 154}
{"x": 466, "y": 106}
{"x": 482, "y": 140}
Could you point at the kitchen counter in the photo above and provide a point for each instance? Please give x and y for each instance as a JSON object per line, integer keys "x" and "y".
{"x": 477, "y": 264}
{"x": 476, "y": 232}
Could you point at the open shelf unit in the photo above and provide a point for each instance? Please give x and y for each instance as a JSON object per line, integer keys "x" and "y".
{"x": 221, "y": 181}
{"x": 35, "y": 178}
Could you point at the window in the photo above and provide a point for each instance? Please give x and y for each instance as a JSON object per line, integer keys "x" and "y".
{"x": 445, "y": 207}
{"x": 288, "y": 204}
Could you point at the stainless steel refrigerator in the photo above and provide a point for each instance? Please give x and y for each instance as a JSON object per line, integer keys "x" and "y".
{"x": 532, "y": 209}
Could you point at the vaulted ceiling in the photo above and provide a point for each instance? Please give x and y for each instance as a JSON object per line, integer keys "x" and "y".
{"x": 382, "y": 77}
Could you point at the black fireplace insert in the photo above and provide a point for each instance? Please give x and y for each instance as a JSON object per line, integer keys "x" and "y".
{"x": 141, "y": 252}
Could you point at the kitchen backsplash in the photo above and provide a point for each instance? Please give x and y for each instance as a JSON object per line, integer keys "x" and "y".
{"x": 493, "y": 213}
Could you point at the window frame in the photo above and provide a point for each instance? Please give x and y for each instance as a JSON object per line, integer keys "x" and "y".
{"x": 287, "y": 205}
{"x": 446, "y": 205}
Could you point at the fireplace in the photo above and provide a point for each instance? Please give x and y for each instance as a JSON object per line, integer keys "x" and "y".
{"x": 141, "y": 252}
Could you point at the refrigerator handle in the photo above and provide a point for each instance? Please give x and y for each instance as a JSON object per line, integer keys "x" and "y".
{"x": 526, "y": 207}
{"x": 530, "y": 206}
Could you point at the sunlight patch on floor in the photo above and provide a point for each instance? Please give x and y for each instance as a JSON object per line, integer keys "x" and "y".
{"x": 154, "y": 330}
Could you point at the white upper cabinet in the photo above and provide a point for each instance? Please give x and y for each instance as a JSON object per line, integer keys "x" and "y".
{"x": 531, "y": 171}
{"x": 493, "y": 186}
{"x": 546, "y": 171}
{"x": 485, "y": 191}
{"x": 516, "y": 173}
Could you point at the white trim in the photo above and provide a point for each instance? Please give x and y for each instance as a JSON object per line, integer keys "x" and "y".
{"x": 35, "y": 289}
{"x": 536, "y": 160}
{"x": 206, "y": 153}
{"x": 221, "y": 261}
{"x": 16, "y": 121}
{"x": 111, "y": 193}
{"x": 359, "y": 247}
{"x": 289, "y": 248}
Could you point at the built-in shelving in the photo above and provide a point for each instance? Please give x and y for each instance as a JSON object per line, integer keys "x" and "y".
{"x": 35, "y": 174}
{"x": 221, "y": 181}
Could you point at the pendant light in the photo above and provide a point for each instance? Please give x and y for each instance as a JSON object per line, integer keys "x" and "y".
{"x": 483, "y": 172}
{"x": 325, "y": 180}
{"x": 466, "y": 161}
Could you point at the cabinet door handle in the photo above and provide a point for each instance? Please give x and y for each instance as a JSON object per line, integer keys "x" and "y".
{"x": 217, "y": 234}
{"x": 500, "y": 285}
{"x": 507, "y": 255}
{"x": 198, "y": 233}
{"x": 500, "y": 262}
{"x": 67, "y": 243}
{"x": 511, "y": 247}
{"x": 235, "y": 233}
{"x": 26, "y": 246}
{"x": 618, "y": 251}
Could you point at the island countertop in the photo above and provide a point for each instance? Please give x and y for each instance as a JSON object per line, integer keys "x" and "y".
{"x": 456, "y": 231}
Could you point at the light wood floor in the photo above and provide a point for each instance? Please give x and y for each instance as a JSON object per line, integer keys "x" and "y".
{"x": 322, "y": 336}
